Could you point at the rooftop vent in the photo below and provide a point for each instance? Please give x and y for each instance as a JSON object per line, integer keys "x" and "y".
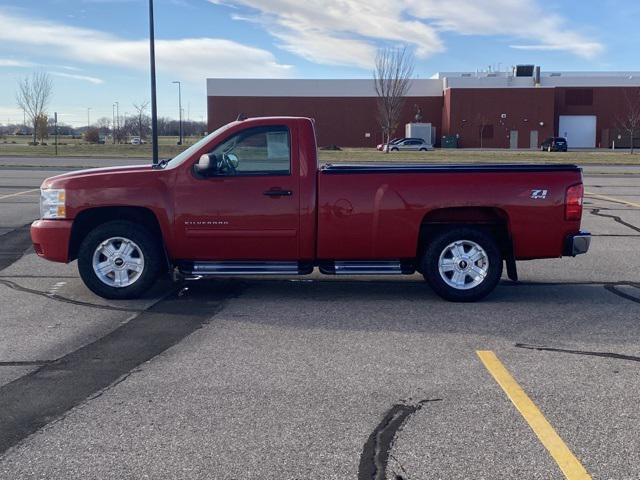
{"x": 524, "y": 70}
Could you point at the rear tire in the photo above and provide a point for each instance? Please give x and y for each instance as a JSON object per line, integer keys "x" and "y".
{"x": 462, "y": 264}
{"x": 119, "y": 260}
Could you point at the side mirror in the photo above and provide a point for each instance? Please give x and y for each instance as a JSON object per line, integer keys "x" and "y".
{"x": 206, "y": 165}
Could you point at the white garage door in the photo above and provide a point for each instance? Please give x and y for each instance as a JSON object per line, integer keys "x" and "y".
{"x": 579, "y": 130}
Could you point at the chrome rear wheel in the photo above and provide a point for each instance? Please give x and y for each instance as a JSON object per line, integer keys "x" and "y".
{"x": 463, "y": 264}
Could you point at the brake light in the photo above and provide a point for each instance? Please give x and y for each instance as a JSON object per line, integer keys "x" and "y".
{"x": 573, "y": 202}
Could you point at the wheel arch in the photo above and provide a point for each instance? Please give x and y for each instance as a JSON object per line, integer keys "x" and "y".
{"x": 493, "y": 220}
{"x": 90, "y": 218}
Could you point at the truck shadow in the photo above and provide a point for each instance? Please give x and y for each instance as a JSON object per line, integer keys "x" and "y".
{"x": 410, "y": 306}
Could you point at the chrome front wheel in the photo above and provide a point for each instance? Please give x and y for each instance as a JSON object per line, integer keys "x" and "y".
{"x": 118, "y": 262}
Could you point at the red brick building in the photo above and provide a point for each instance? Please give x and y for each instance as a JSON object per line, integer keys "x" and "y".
{"x": 492, "y": 110}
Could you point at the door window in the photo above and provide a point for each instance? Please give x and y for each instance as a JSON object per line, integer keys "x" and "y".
{"x": 256, "y": 151}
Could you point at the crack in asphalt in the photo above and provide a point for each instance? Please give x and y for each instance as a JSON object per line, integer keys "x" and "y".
{"x": 60, "y": 298}
{"x": 25, "y": 363}
{"x": 49, "y": 392}
{"x": 530, "y": 283}
{"x": 630, "y": 235}
{"x": 618, "y": 356}
{"x": 613, "y": 186}
{"x": 38, "y": 276}
{"x": 613, "y": 289}
{"x": 376, "y": 451}
{"x": 596, "y": 212}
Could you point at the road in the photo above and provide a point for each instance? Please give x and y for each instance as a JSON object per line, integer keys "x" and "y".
{"x": 321, "y": 377}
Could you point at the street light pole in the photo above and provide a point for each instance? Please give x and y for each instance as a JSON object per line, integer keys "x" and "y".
{"x": 113, "y": 122}
{"x": 179, "y": 108}
{"x": 118, "y": 120}
{"x": 55, "y": 119}
{"x": 88, "y": 118}
{"x": 154, "y": 107}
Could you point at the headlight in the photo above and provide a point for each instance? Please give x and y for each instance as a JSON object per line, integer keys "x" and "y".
{"x": 52, "y": 203}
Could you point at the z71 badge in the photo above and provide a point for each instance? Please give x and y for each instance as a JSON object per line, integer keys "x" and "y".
{"x": 538, "y": 194}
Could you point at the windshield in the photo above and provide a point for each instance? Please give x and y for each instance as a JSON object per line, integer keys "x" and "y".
{"x": 184, "y": 155}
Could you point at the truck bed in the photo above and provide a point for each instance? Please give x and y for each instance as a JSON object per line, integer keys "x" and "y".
{"x": 368, "y": 211}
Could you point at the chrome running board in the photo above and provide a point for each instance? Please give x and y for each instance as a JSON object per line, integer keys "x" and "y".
{"x": 364, "y": 267}
{"x": 244, "y": 268}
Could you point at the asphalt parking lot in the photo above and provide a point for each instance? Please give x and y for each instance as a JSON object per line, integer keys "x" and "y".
{"x": 322, "y": 378}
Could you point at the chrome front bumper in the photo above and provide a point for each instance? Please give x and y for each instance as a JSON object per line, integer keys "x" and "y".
{"x": 577, "y": 244}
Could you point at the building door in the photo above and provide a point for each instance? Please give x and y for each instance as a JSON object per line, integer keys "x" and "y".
{"x": 533, "y": 139}
{"x": 579, "y": 130}
{"x": 513, "y": 139}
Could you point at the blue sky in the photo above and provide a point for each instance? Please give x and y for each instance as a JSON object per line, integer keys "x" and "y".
{"x": 96, "y": 53}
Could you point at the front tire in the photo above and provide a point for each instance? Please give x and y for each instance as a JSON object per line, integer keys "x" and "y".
{"x": 462, "y": 264}
{"x": 119, "y": 260}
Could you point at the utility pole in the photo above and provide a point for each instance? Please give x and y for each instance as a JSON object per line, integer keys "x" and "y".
{"x": 179, "y": 108}
{"x": 118, "y": 120}
{"x": 88, "y": 118}
{"x": 154, "y": 107}
{"x": 55, "y": 122}
{"x": 113, "y": 122}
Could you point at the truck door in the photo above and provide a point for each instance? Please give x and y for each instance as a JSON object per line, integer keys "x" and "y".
{"x": 249, "y": 210}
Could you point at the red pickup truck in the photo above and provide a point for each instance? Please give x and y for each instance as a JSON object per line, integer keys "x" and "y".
{"x": 250, "y": 199}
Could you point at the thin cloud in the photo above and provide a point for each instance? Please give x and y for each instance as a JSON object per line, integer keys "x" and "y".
{"x": 518, "y": 19}
{"x": 8, "y": 62}
{"x": 85, "y": 78}
{"x": 194, "y": 58}
{"x": 348, "y": 32}
{"x": 340, "y": 32}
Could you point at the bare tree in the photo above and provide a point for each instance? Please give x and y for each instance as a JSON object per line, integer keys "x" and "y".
{"x": 392, "y": 80}
{"x": 33, "y": 96}
{"x": 103, "y": 124}
{"x": 42, "y": 127}
{"x": 92, "y": 135}
{"x": 141, "y": 117}
{"x": 629, "y": 122}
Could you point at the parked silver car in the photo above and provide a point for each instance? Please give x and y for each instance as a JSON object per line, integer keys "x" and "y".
{"x": 409, "y": 144}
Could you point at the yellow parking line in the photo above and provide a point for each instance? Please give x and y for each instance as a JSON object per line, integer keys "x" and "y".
{"x": 19, "y": 193}
{"x": 568, "y": 463}
{"x": 611, "y": 199}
